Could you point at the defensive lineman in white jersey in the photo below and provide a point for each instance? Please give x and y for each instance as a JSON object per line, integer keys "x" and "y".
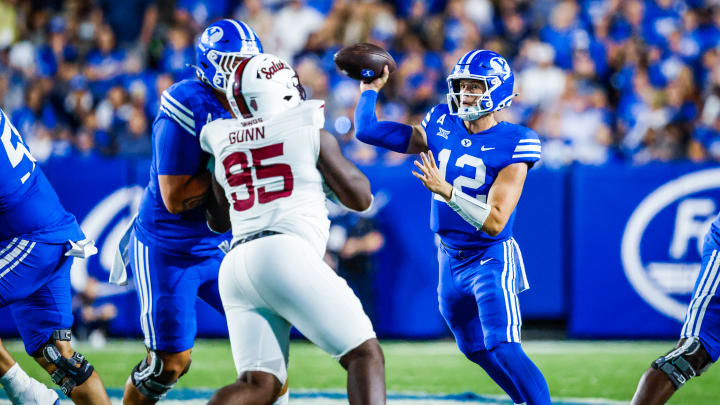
{"x": 269, "y": 169}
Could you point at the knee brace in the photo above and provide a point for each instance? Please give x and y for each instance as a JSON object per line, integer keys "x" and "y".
{"x": 146, "y": 378}
{"x": 684, "y": 362}
{"x": 70, "y": 372}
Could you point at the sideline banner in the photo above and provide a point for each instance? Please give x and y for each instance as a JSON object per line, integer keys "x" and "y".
{"x": 104, "y": 195}
{"x": 636, "y": 235}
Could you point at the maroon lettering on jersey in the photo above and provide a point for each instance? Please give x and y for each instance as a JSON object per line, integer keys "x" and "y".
{"x": 246, "y": 134}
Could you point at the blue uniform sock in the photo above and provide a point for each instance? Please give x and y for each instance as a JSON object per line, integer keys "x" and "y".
{"x": 528, "y": 378}
{"x": 497, "y": 372}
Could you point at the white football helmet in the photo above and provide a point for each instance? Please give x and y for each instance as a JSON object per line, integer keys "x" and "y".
{"x": 263, "y": 85}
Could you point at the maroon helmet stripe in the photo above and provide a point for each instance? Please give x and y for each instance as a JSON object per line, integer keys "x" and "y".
{"x": 237, "y": 90}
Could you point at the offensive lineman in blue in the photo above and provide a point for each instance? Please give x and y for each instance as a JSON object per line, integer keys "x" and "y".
{"x": 174, "y": 256}
{"x": 699, "y": 344}
{"x": 38, "y": 240}
{"x": 476, "y": 184}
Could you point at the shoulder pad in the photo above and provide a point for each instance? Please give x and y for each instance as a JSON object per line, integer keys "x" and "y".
{"x": 435, "y": 112}
{"x": 177, "y": 102}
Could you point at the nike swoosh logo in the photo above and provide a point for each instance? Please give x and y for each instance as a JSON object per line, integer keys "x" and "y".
{"x": 483, "y": 148}
{"x": 482, "y": 262}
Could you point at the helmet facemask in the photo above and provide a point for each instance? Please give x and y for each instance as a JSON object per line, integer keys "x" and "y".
{"x": 483, "y": 103}
{"x": 224, "y": 64}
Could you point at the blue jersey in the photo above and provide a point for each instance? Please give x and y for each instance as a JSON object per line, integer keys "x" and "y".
{"x": 471, "y": 163}
{"x": 714, "y": 232}
{"x": 185, "y": 108}
{"x": 29, "y": 207}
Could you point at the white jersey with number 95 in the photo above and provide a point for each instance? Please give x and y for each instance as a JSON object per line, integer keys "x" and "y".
{"x": 268, "y": 169}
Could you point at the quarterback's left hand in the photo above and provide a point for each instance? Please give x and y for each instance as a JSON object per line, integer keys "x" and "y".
{"x": 431, "y": 176}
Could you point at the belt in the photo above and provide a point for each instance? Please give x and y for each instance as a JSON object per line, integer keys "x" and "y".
{"x": 254, "y": 236}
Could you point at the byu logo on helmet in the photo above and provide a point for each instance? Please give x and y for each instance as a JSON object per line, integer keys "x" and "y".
{"x": 212, "y": 34}
{"x": 501, "y": 65}
{"x": 497, "y": 79}
{"x": 222, "y": 45}
{"x": 662, "y": 266}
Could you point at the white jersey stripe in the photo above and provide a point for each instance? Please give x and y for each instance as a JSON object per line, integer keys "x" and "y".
{"x": 179, "y": 105}
{"x": 524, "y": 155}
{"x": 177, "y": 120}
{"x": 529, "y": 141}
{"x": 712, "y": 285}
{"x": 528, "y": 148}
{"x": 184, "y": 117}
{"x": 20, "y": 259}
{"x": 697, "y": 297}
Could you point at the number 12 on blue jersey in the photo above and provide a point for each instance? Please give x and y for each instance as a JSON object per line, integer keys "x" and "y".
{"x": 463, "y": 181}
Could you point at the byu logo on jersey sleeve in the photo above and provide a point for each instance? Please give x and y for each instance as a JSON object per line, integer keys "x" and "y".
{"x": 662, "y": 266}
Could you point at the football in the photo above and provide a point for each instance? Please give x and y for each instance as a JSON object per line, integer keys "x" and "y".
{"x": 364, "y": 61}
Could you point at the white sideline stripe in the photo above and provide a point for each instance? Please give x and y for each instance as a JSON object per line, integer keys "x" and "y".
{"x": 522, "y": 155}
{"x": 528, "y": 148}
{"x": 19, "y": 260}
{"x": 178, "y": 104}
{"x": 529, "y": 141}
{"x": 176, "y": 119}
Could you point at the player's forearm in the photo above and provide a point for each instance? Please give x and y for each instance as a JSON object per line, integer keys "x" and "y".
{"x": 495, "y": 222}
{"x": 387, "y": 134}
{"x": 183, "y": 193}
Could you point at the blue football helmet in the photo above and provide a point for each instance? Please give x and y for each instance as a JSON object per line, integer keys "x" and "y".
{"x": 493, "y": 71}
{"x": 220, "y": 47}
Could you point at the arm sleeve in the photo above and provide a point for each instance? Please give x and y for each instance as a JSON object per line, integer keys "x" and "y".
{"x": 527, "y": 149}
{"x": 387, "y": 134}
{"x": 177, "y": 152}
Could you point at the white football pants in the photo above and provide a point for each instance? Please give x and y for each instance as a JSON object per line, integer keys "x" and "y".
{"x": 276, "y": 281}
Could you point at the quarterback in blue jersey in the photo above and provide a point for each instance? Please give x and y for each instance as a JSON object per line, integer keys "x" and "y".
{"x": 174, "y": 256}
{"x": 699, "y": 344}
{"x": 476, "y": 183}
{"x": 38, "y": 240}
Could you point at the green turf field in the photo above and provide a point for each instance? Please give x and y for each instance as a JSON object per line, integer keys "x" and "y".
{"x": 574, "y": 369}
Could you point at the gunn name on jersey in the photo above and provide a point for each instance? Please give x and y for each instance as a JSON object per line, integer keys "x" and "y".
{"x": 247, "y": 134}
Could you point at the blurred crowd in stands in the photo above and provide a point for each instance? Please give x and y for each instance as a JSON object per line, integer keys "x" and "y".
{"x": 601, "y": 81}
